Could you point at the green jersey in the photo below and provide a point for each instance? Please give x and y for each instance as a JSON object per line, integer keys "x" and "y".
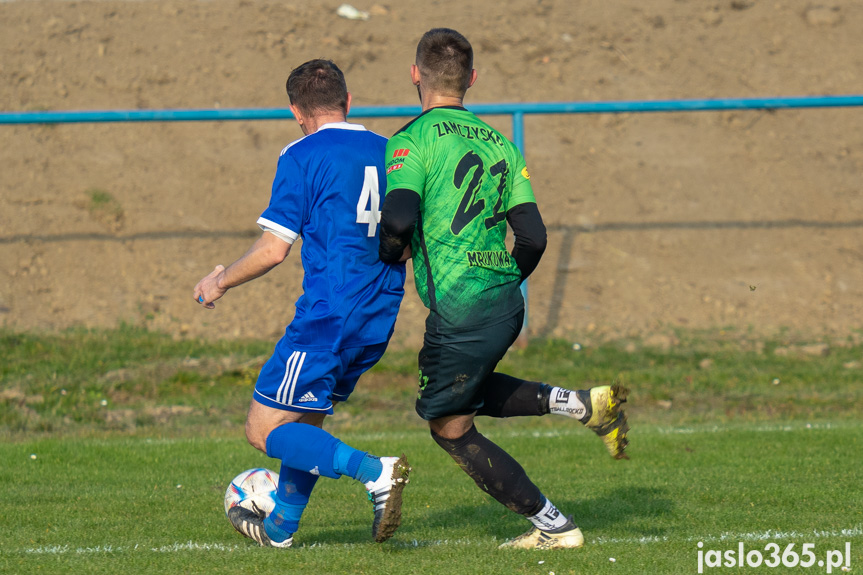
{"x": 467, "y": 176}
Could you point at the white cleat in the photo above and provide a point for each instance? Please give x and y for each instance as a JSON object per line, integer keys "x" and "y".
{"x": 386, "y": 495}
{"x": 567, "y": 537}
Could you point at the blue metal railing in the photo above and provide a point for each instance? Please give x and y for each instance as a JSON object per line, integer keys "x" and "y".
{"x": 516, "y": 109}
{"x": 69, "y": 117}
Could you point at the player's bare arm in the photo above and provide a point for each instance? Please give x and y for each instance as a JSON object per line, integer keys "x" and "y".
{"x": 267, "y": 252}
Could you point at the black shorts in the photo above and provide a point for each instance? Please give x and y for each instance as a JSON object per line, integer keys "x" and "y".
{"x": 453, "y": 367}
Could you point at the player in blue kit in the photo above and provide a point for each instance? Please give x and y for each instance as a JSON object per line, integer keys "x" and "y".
{"x": 327, "y": 190}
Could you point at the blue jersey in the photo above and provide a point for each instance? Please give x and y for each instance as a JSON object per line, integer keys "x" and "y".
{"x": 327, "y": 190}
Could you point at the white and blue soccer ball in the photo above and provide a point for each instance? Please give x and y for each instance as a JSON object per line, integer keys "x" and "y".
{"x": 254, "y": 489}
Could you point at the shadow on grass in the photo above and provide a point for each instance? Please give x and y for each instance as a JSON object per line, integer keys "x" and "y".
{"x": 628, "y": 511}
{"x": 632, "y": 511}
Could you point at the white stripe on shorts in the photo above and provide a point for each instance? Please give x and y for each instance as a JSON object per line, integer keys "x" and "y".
{"x": 293, "y": 385}
{"x": 289, "y": 366}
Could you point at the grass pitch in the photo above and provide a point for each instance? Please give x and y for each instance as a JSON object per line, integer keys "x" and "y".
{"x": 721, "y": 454}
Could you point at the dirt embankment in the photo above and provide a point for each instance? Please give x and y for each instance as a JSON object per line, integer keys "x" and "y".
{"x": 749, "y": 219}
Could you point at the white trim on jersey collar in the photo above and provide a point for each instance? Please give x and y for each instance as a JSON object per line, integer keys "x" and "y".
{"x": 342, "y": 126}
{"x": 336, "y": 125}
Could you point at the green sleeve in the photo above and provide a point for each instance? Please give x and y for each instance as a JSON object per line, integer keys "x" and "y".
{"x": 404, "y": 165}
{"x": 522, "y": 192}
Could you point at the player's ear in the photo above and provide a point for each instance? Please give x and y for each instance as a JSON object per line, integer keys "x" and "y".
{"x": 298, "y": 116}
{"x": 348, "y": 104}
{"x": 415, "y": 75}
{"x": 472, "y": 78}
{"x": 302, "y": 120}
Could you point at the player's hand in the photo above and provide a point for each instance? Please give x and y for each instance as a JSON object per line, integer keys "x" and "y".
{"x": 207, "y": 291}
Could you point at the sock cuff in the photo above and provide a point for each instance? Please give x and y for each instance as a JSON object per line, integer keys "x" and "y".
{"x": 538, "y": 507}
{"x": 271, "y": 446}
{"x": 549, "y": 517}
{"x": 543, "y": 396}
{"x": 570, "y": 402}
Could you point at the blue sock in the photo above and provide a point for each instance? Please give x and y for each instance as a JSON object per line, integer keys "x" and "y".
{"x": 304, "y": 447}
{"x": 295, "y": 487}
{"x": 357, "y": 464}
{"x": 283, "y": 522}
{"x": 308, "y": 448}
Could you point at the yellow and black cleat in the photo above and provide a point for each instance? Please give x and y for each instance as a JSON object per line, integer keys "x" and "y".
{"x": 607, "y": 419}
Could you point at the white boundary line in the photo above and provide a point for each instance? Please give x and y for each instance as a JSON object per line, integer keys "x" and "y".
{"x": 769, "y": 535}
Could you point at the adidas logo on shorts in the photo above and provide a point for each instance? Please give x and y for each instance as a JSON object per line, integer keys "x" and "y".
{"x": 308, "y": 396}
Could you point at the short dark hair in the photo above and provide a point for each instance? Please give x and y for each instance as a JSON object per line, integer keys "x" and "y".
{"x": 317, "y": 86}
{"x": 445, "y": 61}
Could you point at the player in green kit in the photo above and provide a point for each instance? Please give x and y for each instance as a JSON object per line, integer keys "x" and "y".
{"x": 453, "y": 185}
{"x": 474, "y": 279}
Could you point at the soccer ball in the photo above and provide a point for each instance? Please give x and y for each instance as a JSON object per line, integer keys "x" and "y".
{"x": 254, "y": 489}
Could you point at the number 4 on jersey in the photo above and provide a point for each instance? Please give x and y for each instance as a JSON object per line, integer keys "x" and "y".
{"x": 369, "y": 206}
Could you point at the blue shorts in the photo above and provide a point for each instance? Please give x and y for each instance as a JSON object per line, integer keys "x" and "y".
{"x": 310, "y": 381}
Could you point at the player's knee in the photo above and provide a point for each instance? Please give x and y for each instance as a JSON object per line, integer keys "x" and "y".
{"x": 452, "y": 427}
{"x": 453, "y": 445}
{"x": 256, "y": 436}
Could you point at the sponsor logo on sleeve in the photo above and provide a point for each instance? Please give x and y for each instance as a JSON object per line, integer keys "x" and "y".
{"x": 397, "y": 160}
{"x": 525, "y": 173}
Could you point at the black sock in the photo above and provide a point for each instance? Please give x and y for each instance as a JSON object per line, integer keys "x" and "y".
{"x": 507, "y": 396}
{"x": 494, "y": 471}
